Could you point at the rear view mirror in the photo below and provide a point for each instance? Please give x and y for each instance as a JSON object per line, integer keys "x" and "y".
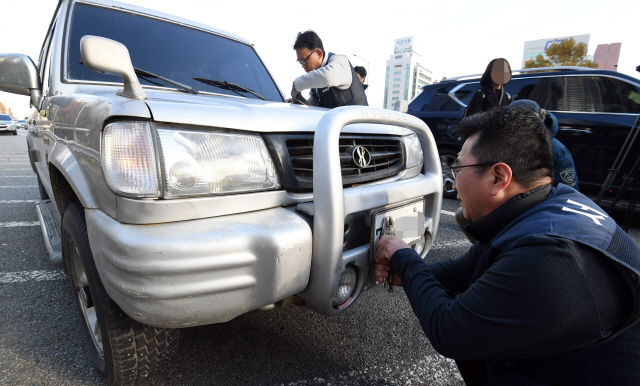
{"x": 110, "y": 57}
{"x": 19, "y": 75}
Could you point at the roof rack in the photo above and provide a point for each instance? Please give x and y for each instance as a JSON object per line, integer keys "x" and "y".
{"x": 524, "y": 70}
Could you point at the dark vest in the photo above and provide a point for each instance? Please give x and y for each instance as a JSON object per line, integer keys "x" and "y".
{"x": 332, "y": 97}
{"x": 568, "y": 214}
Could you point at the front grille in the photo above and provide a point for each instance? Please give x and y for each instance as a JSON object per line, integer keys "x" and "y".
{"x": 296, "y": 164}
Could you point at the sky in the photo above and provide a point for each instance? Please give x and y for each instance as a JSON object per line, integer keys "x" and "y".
{"x": 454, "y": 38}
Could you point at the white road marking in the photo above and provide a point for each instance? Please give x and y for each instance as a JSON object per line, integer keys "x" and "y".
{"x": 16, "y": 201}
{"x": 451, "y": 244}
{"x": 14, "y": 224}
{"x": 448, "y": 213}
{"x": 19, "y": 277}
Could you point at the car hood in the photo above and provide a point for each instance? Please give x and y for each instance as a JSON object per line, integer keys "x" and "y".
{"x": 245, "y": 114}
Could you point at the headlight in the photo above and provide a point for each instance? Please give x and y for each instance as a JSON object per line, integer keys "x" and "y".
{"x": 414, "y": 151}
{"x": 201, "y": 163}
{"x": 129, "y": 159}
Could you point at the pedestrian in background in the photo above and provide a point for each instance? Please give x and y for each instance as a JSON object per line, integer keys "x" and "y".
{"x": 564, "y": 170}
{"x": 362, "y": 75}
{"x": 492, "y": 94}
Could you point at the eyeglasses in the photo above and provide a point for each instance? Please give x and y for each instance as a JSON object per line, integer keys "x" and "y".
{"x": 304, "y": 61}
{"x": 455, "y": 168}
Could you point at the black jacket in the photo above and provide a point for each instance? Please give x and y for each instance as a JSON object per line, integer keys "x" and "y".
{"x": 545, "y": 310}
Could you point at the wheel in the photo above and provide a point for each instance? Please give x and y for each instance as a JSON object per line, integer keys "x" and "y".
{"x": 43, "y": 192}
{"x": 15, "y": 132}
{"x": 123, "y": 351}
{"x": 447, "y": 159}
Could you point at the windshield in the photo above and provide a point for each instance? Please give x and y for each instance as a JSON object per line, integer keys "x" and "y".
{"x": 173, "y": 51}
{"x": 5, "y": 117}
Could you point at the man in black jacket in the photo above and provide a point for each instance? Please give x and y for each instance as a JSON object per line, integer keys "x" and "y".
{"x": 550, "y": 294}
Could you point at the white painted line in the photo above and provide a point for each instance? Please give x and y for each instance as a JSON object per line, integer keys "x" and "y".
{"x": 19, "y": 277}
{"x": 451, "y": 244}
{"x": 16, "y": 201}
{"x": 19, "y": 224}
{"x": 448, "y": 213}
{"x": 20, "y": 186}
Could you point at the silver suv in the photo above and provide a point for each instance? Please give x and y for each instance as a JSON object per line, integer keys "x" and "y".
{"x": 178, "y": 189}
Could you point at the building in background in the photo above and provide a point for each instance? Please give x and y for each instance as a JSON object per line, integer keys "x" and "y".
{"x": 534, "y": 48}
{"x": 405, "y": 74}
{"x": 607, "y": 55}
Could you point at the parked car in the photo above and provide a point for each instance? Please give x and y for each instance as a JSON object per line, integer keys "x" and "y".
{"x": 595, "y": 111}
{"x": 7, "y": 125}
{"x": 180, "y": 190}
{"x": 21, "y": 124}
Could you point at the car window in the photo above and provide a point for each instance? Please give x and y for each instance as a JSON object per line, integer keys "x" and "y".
{"x": 596, "y": 94}
{"x": 422, "y": 99}
{"x": 535, "y": 89}
{"x": 171, "y": 50}
{"x": 439, "y": 100}
{"x": 465, "y": 93}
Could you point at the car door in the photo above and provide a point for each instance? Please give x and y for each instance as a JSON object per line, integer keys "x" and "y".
{"x": 595, "y": 114}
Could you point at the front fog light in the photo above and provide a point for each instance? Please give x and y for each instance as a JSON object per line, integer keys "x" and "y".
{"x": 346, "y": 285}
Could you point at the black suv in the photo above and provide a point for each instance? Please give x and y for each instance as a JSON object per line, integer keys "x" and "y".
{"x": 595, "y": 111}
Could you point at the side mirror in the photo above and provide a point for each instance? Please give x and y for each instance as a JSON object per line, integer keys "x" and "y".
{"x": 19, "y": 75}
{"x": 401, "y": 106}
{"x": 110, "y": 57}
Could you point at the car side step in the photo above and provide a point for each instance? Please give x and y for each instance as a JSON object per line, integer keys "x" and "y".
{"x": 51, "y": 230}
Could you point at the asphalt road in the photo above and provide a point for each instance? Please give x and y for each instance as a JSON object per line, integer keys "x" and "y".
{"x": 377, "y": 342}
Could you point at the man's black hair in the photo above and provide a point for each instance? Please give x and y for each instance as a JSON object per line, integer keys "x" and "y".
{"x": 308, "y": 39}
{"x": 360, "y": 71}
{"x": 515, "y": 136}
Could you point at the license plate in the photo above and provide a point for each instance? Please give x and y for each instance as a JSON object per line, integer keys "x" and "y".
{"x": 408, "y": 222}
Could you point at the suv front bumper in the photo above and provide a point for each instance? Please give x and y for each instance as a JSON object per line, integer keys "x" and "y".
{"x": 204, "y": 271}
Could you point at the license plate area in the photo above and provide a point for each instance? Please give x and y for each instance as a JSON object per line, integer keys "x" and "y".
{"x": 408, "y": 221}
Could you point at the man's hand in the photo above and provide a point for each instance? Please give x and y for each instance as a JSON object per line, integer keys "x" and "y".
{"x": 387, "y": 246}
{"x": 294, "y": 93}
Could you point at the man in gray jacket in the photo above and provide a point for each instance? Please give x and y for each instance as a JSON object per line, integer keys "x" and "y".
{"x": 331, "y": 78}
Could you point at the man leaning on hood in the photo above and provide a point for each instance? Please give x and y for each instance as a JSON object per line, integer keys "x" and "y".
{"x": 331, "y": 78}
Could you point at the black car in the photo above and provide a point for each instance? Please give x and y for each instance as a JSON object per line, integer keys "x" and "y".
{"x": 595, "y": 111}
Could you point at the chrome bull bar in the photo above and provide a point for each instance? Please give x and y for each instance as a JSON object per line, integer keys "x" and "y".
{"x": 332, "y": 203}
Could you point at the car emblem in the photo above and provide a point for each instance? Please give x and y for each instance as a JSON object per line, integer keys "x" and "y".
{"x": 361, "y": 156}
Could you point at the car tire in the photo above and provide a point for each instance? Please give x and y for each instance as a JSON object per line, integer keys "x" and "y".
{"x": 124, "y": 351}
{"x": 447, "y": 159}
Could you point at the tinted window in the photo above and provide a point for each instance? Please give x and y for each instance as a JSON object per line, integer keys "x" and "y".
{"x": 465, "y": 93}
{"x": 596, "y": 94}
{"x": 535, "y": 89}
{"x": 173, "y": 51}
{"x": 422, "y": 99}
{"x": 5, "y": 117}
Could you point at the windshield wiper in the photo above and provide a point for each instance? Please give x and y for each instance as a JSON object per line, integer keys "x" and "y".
{"x": 229, "y": 86}
{"x": 178, "y": 85}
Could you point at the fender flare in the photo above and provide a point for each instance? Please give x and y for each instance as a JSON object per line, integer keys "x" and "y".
{"x": 63, "y": 159}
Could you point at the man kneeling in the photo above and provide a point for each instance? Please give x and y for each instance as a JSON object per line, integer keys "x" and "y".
{"x": 550, "y": 294}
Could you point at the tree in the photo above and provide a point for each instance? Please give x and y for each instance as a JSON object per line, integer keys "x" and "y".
{"x": 564, "y": 53}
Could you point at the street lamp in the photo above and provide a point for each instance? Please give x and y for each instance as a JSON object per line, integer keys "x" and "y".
{"x": 363, "y": 61}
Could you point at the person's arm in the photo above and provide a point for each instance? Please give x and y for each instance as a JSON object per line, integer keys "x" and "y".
{"x": 533, "y": 301}
{"x": 336, "y": 73}
{"x": 475, "y": 105}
